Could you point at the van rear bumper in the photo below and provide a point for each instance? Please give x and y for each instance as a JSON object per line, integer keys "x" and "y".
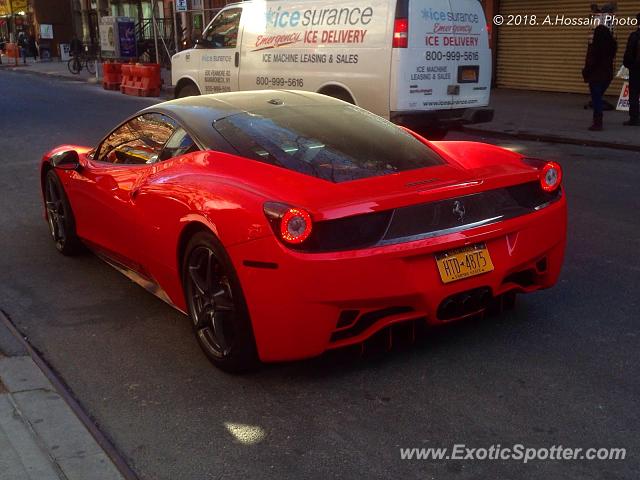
{"x": 442, "y": 119}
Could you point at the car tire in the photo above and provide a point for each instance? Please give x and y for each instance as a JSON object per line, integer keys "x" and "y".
{"x": 216, "y": 305}
{"x": 62, "y": 225}
{"x": 189, "y": 90}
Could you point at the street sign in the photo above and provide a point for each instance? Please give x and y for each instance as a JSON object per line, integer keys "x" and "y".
{"x": 46, "y": 31}
{"x": 623, "y": 101}
{"x": 181, "y": 6}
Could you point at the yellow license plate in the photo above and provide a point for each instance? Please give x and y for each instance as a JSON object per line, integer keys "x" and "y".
{"x": 464, "y": 263}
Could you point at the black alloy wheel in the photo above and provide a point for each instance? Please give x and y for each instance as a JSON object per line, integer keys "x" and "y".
{"x": 60, "y": 216}
{"x": 216, "y": 305}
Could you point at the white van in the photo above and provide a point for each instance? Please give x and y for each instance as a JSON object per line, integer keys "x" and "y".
{"x": 420, "y": 63}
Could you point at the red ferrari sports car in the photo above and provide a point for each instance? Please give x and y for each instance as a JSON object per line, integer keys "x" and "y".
{"x": 287, "y": 223}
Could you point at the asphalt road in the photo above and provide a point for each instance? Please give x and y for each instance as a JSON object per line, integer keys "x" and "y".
{"x": 562, "y": 369}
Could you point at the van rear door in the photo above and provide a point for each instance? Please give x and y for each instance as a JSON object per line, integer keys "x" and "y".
{"x": 470, "y": 46}
{"x": 446, "y": 62}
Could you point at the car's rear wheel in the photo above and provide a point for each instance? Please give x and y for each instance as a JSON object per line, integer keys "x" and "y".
{"x": 216, "y": 305}
{"x": 60, "y": 216}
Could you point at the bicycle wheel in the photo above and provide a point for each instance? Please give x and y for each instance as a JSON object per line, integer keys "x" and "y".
{"x": 74, "y": 65}
{"x": 90, "y": 63}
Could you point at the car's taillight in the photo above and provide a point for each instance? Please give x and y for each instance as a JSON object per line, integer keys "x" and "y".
{"x": 550, "y": 173}
{"x": 292, "y": 225}
{"x": 401, "y": 33}
{"x": 295, "y": 226}
{"x": 550, "y": 177}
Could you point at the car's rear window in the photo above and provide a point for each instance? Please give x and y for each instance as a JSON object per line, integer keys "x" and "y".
{"x": 333, "y": 142}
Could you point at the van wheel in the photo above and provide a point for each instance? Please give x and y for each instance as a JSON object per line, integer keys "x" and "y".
{"x": 339, "y": 93}
{"x": 189, "y": 90}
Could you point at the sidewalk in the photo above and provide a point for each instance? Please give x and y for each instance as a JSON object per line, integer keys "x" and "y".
{"x": 556, "y": 118}
{"x": 54, "y": 68}
{"x": 40, "y": 436}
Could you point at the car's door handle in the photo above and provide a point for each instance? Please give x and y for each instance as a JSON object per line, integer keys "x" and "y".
{"x": 134, "y": 193}
{"x": 237, "y": 59}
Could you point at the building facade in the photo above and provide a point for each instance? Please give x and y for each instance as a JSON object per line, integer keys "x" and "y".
{"x": 15, "y": 17}
{"x": 49, "y": 21}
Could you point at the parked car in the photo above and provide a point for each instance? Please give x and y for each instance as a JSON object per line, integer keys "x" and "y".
{"x": 289, "y": 223}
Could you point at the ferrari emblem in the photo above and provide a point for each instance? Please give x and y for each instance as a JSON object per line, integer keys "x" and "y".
{"x": 458, "y": 210}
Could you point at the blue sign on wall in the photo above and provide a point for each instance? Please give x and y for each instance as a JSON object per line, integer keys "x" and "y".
{"x": 181, "y": 6}
{"x": 127, "y": 39}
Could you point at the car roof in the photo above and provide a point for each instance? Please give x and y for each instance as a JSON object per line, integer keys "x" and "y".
{"x": 197, "y": 114}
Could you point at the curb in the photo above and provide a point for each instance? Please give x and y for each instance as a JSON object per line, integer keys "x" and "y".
{"x": 21, "y": 69}
{"x": 165, "y": 92}
{"x": 64, "y": 392}
{"x": 548, "y": 138}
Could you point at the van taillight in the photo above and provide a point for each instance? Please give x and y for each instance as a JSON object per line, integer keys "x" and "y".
{"x": 401, "y": 33}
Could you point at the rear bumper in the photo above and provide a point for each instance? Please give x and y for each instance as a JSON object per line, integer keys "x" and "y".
{"x": 444, "y": 119}
{"x": 304, "y": 304}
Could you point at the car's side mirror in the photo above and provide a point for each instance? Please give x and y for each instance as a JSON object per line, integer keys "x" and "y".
{"x": 67, "y": 160}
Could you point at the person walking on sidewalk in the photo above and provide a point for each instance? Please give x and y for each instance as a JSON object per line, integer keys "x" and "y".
{"x": 23, "y": 44}
{"x": 632, "y": 62}
{"x": 598, "y": 71}
{"x": 33, "y": 46}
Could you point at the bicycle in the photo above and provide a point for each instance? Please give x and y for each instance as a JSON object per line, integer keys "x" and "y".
{"x": 77, "y": 62}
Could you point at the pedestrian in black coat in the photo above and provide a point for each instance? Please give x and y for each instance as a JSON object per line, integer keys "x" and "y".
{"x": 23, "y": 44}
{"x": 33, "y": 48}
{"x": 632, "y": 62}
{"x": 598, "y": 71}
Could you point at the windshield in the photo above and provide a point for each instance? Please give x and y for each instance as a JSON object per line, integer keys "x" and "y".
{"x": 337, "y": 143}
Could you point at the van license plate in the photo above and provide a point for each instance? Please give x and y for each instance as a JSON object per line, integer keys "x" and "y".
{"x": 468, "y": 74}
{"x": 464, "y": 263}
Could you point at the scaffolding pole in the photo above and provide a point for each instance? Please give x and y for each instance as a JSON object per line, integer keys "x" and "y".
{"x": 154, "y": 4}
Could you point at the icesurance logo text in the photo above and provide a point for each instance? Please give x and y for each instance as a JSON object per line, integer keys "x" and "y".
{"x": 319, "y": 17}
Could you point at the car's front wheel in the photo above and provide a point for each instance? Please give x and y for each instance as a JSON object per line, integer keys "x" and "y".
{"x": 60, "y": 216}
{"x": 216, "y": 305}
